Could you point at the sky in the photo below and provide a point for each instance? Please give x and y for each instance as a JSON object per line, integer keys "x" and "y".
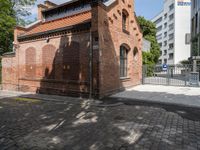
{"x": 146, "y": 8}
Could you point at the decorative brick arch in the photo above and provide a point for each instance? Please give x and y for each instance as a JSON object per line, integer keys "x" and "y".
{"x": 30, "y": 59}
{"x": 48, "y": 61}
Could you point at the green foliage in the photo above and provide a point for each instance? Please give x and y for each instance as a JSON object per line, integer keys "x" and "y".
{"x": 11, "y": 14}
{"x": 7, "y": 22}
{"x": 22, "y": 9}
{"x": 149, "y": 33}
{"x": 184, "y": 62}
{"x": 0, "y": 71}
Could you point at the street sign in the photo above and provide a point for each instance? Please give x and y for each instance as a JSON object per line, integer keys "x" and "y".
{"x": 164, "y": 67}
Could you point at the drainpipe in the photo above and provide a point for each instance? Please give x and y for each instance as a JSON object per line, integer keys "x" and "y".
{"x": 90, "y": 66}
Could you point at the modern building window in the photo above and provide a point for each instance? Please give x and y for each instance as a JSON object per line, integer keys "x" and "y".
{"x": 165, "y": 16}
{"x": 165, "y": 25}
{"x": 195, "y": 48}
{"x": 192, "y": 26}
{"x": 125, "y": 20}
{"x": 171, "y": 26}
{"x": 165, "y": 52}
{"x": 196, "y": 22}
{"x": 158, "y": 20}
{"x": 171, "y": 46}
{"x": 171, "y": 17}
{"x": 159, "y": 28}
{"x": 194, "y": 3}
{"x": 160, "y": 44}
{"x": 171, "y": 36}
{"x": 165, "y": 43}
{"x": 165, "y": 34}
{"x": 159, "y": 37}
{"x": 171, "y": 7}
{"x": 165, "y": 61}
{"x": 171, "y": 56}
{"x": 123, "y": 62}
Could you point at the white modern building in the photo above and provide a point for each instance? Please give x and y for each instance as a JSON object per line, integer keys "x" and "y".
{"x": 173, "y": 31}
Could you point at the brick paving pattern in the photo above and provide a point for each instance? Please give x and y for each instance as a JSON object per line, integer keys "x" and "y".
{"x": 81, "y": 126}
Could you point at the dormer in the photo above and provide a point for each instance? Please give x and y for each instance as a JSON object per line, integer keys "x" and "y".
{"x": 41, "y": 8}
{"x": 49, "y": 4}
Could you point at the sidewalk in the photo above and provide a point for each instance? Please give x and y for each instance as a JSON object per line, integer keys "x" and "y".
{"x": 184, "y": 96}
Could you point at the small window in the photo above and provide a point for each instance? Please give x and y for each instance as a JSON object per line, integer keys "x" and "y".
{"x": 125, "y": 20}
{"x": 171, "y": 17}
{"x": 135, "y": 53}
{"x": 171, "y": 7}
{"x": 123, "y": 62}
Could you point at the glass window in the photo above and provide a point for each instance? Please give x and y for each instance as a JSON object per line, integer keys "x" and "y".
{"x": 159, "y": 28}
{"x": 171, "y": 56}
{"x": 171, "y": 46}
{"x": 171, "y": 7}
{"x": 123, "y": 61}
{"x": 171, "y": 36}
{"x": 171, "y": 27}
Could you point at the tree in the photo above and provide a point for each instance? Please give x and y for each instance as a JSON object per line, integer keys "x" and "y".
{"x": 149, "y": 33}
{"x": 12, "y": 13}
{"x": 7, "y": 22}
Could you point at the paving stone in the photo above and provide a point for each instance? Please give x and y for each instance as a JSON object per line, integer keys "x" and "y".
{"x": 67, "y": 125}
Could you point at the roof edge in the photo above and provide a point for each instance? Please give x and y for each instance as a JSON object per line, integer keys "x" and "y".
{"x": 80, "y": 26}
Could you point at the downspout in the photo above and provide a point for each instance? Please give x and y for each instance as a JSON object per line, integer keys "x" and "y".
{"x": 91, "y": 66}
{"x": 17, "y": 50}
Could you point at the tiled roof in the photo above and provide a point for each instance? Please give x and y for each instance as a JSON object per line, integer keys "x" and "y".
{"x": 60, "y": 23}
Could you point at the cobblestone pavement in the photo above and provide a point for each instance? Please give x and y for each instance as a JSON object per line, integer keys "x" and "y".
{"x": 39, "y": 125}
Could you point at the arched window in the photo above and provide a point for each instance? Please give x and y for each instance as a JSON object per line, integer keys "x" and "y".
{"x": 135, "y": 53}
{"x": 123, "y": 62}
{"x": 125, "y": 20}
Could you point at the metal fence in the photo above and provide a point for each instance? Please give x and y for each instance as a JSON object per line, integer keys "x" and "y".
{"x": 176, "y": 75}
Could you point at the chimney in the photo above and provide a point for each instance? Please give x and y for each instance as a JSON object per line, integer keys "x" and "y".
{"x": 41, "y": 7}
{"x": 49, "y": 4}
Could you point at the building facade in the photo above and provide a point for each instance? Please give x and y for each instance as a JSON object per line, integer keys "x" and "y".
{"x": 195, "y": 30}
{"x": 173, "y": 31}
{"x": 78, "y": 48}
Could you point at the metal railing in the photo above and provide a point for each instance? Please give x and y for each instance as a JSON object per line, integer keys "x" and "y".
{"x": 178, "y": 75}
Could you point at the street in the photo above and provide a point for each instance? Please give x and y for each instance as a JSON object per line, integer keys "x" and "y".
{"x": 29, "y": 124}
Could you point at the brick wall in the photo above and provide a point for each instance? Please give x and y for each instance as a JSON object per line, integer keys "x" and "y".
{"x": 59, "y": 66}
{"x": 111, "y": 37}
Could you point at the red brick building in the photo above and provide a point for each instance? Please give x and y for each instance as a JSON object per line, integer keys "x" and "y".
{"x": 78, "y": 47}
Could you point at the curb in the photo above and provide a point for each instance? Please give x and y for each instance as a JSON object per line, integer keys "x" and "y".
{"x": 129, "y": 101}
